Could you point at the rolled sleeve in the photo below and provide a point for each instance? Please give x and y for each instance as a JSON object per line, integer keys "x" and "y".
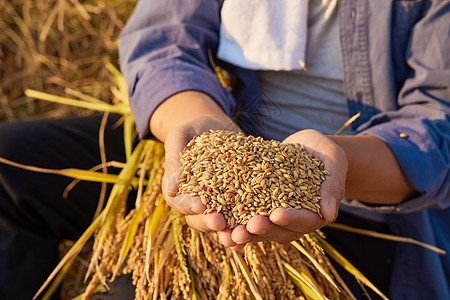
{"x": 163, "y": 51}
{"x": 421, "y": 147}
{"x": 418, "y": 131}
{"x": 164, "y": 79}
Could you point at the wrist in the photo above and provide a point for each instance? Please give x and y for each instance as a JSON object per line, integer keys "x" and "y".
{"x": 183, "y": 107}
{"x": 374, "y": 175}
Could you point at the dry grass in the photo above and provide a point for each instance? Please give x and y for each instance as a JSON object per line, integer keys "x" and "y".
{"x": 53, "y": 45}
{"x": 169, "y": 259}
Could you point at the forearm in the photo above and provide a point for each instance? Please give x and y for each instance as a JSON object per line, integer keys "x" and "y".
{"x": 182, "y": 107}
{"x": 374, "y": 175}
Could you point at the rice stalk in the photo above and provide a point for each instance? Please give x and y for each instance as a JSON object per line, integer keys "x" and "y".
{"x": 316, "y": 264}
{"x": 152, "y": 224}
{"x": 82, "y": 96}
{"x": 73, "y": 251}
{"x": 101, "y": 143}
{"x": 128, "y": 130}
{"x": 129, "y": 236}
{"x": 246, "y": 272}
{"x": 116, "y": 200}
{"x": 81, "y": 10}
{"x": 121, "y": 108}
{"x": 279, "y": 264}
{"x": 303, "y": 282}
{"x": 120, "y": 82}
{"x": 179, "y": 246}
{"x": 195, "y": 295}
{"x": 385, "y": 236}
{"x": 58, "y": 279}
{"x": 334, "y": 254}
{"x": 72, "y": 173}
{"x": 348, "y": 123}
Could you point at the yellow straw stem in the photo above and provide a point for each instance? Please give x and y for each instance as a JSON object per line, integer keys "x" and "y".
{"x": 73, "y": 251}
{"x": 385, "y": 236}
{"x": 82, "y": 96}
{"x": 246, "y": 272}
{"x": 72, "y": 173}
{"x": 315, "y": 263}
{"x": 128, "y": 240}
{"x": 120, "y": 81}
{"x": 334, "y": 254}
{"x": 347, "y": 123}
{"x": 303, "y": 282}
{"x": 121, "y": 108}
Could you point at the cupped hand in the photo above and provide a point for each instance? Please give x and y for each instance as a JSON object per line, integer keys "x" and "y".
{"x": 288, "y": 224}
{"x": 176, "y": 139}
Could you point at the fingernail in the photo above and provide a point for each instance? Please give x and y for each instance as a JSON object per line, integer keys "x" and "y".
{"x": 332, "y": 207}
{"x": 172, "y": 185}
{"x": 208, "y": 224}
{"x": 183, "y": 201}
{"x": 243, "y": 241}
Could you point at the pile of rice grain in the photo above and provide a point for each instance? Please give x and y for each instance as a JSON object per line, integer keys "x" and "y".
{"x": 243, "y": 176}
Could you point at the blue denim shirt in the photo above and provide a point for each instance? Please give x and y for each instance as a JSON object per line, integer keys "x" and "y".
{"x": 396, "y": 62}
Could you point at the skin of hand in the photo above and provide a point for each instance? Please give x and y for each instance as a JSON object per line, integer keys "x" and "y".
{"x": 374, "y": 175}
{"x": 288, "y": 224}
{"x": 175, "y": 122}
{"x": 192, "y": 207}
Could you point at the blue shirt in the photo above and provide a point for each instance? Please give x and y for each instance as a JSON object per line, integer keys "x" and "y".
{"x": 396, "y": 63}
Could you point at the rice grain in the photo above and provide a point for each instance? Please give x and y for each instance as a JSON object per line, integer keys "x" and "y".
{"x": 243, "y": 176}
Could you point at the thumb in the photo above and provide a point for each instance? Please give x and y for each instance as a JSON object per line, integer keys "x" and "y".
{"x": 329, "y": 209}
{"x": 174, "y": 145}
{"x": 184, "y": 204}
{"x": 332, "y": 190}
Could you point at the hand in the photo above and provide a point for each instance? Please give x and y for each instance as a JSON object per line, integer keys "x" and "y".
{"x": 176, "y": 139}
{"x": 288, "y": 224}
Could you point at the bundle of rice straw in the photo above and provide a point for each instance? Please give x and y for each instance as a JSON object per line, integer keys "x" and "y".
{"x": 167, "y": 258}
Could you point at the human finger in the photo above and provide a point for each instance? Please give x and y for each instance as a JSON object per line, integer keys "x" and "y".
{"x": 241, "y": 236}
{"x": 263, "y": 229}
{"x": 186, "y": 205}
{"x": 301, "y": 221}
{"x": 209, "y": 222}
{"x": 225, "y": 237}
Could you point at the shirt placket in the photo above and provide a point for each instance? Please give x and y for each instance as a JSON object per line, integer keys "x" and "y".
{"x": 358, "y": 87}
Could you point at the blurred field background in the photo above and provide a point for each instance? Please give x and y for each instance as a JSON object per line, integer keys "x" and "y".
{"x": 51, "y": 46}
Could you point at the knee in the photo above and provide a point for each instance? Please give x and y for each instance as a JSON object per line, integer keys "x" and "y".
{"x": 12, "y": 139}
{"x": 20, "y": 141}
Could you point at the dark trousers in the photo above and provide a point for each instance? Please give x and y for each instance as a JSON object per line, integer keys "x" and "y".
{"x": 35, "y": 217}
{"x": 373, "y": 257}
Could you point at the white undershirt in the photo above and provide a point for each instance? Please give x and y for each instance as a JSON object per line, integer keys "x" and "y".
{"x": 296, "y": 100}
